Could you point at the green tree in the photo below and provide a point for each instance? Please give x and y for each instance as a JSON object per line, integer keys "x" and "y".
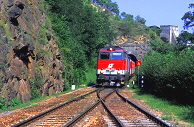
{"x": 82, "y": 29}
{"x": 156, "y": 29}
{"x": 114, "y": 8}
{"x": 140, "y": 20}
{"x": 188, "y": 18}
{"x": 185, "y": 37}
{"x": 108, "y": 4}
{"x": 127, "y": 17}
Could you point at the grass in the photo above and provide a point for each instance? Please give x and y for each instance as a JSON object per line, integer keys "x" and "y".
{"x": 170, "y": 110}
{"x": 28, "y": 104}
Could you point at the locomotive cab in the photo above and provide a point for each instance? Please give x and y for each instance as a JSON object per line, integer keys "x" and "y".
{"x": 112, "y": 66}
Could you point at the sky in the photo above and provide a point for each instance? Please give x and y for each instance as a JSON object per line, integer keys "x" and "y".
{"x": 157, "y": 12}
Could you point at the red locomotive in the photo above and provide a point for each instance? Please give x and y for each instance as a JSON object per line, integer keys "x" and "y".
{"x": 114, "y": 66}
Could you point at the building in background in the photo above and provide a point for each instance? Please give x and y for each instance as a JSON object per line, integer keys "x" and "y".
{"x": 169, "y": 33}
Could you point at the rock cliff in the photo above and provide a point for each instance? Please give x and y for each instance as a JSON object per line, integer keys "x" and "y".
{"x": 140, "y": 39}
{"x": 138, "y": 45}
{"x": 30, "y": 62}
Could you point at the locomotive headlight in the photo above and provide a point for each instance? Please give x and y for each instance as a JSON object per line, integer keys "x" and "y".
{"x": 101, "y": 71}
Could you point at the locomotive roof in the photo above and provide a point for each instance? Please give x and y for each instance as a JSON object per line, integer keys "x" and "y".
{"x": 114, "y": 47}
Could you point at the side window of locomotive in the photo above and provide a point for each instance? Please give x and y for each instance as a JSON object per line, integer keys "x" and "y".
{"x": 104, "y": 56}
{"x": 117, "y": 56}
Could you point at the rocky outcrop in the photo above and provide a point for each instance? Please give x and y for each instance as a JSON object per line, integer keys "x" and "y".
{"x": 137, "y": 46}
{"x": 140, "y": 39}
{"x": 30, "y": 60}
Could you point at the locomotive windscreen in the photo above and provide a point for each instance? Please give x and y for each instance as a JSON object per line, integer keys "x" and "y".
{"x": 111, "y": 56}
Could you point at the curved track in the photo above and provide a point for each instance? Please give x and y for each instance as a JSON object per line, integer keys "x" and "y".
{"x": 120, "y": 112}
{"x": 130, "y": 115}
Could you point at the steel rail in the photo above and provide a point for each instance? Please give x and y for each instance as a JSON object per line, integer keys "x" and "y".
{"x": 150, "y": 116}
{"x": 25, "y": 122}
{"x": 118, "y": 122}
{"x": 87, "y": 110}
{"x": 98, "y": 92}
{"x": 82, "y": 115}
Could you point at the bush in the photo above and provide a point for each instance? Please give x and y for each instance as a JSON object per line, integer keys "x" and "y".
{"x": 3, "y": 103}
{"x": 171, "y": 73}
{"x": 15, "y": 102}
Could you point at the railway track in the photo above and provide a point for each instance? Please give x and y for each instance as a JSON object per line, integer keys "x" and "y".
{"x": 130, "y": 115}
{"x": 61, "y": 114}
{"x": 122, "y": 114}
{"x": 78, "y": 111}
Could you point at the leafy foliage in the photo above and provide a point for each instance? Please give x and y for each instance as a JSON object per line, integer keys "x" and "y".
{"x": 140, "y": 20}
{"x": 188, "y": 18}
{"x": 185, "y": 37}
{"x": 35, "y": 85}
{"x": 81, "y": 32}
{"x": 4, "y": 103}
{"x": 15, "y": 102}
{"x": 171, "y": 73}
{"x": 156, "y": 29}
{"x": 108, "y": 4}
